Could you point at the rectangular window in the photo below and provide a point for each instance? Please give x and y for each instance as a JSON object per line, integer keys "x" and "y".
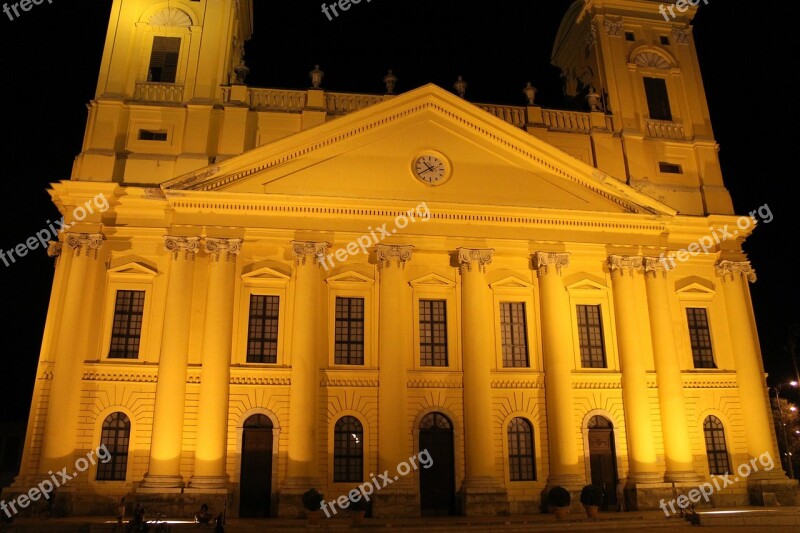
{"x": 630, "y": 36}
{"x": 127, "y": 329}
{"x": 433, "y": 332}
{"x": 657, "y": 98}
{"x": 665, "y": 40}
{"x": 669, "y": 168}
{"x": 590, "y": 337}
{"x": 700, "y": 336}
{"x": 514, "y": 334}
{"x": 349, "y": 331}
{"x": 262, "y": 330}
{"x": 152, "y": 135}
{"x": 164, "y": 59}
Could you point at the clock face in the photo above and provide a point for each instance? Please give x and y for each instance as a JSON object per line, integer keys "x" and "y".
{"x": 431, "y": 169}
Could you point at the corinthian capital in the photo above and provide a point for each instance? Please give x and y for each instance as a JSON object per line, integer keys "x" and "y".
{"x": 85, "y": 241}
{"x": 217, "y": 247}
{"x": 624, "y": 264}
{"x": 481, "y": 256}
{"x": 54, "y": 248}
{"x": 388, "y": 255}
{"x": 653, "y": 266}
{"x": 188, "y": 245}
{"x": 545, "y": 261}
{"x": 732, "y": 270}
{"x": 302, "y": 249}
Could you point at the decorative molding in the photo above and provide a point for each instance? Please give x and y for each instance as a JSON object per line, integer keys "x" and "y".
{"x": 344, "y": 382}
{"x": 261, "y": 380}
{"x": 546, "y": 260}
{"x": 54, "y": 248}
{"x": 171, "y": 17}
{"x": 652, "y": 60}
{"x": 442, "y": 383}
{"x": 736, "y": 269}
{"x": 613, "y": 27}
{"x": 468, "y": 256}
{"x": 88, "y": 241}
{"x": 709, "y": 384}
{"x": 216, "y": 247}
{"x": 188, "y": 245}
{"x": 681, "y": 35}
{"x": 617, "y": 384}
{"x": 624, "y": 264}
{"x": 655, "y": 265}
{"x": 136, "y": 377}
{"x": 517, "y": 384}
{"x": 302, "y": 249}
{"x": 389, "y": 254}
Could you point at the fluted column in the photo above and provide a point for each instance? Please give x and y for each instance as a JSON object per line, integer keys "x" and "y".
{"x": 167, "y": 442}
{"x": 478, "y": 350}
{"x": 61, "y": 425}
{"x": 749, "y": 367}
{"x": 674, "y": 425}
{"x": 557, "y": 344}
{"x": 306, "y": 359}
{"x": 212, "y": 431}
{"x": 625, "y": 275}
{"x": 394, "y": 347}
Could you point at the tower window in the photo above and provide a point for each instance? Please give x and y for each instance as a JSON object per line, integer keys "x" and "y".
{"x": 665, "y": 40}
{"x": 349, "y": 331}
{"x": 700, "y": 336}
{"x": 433, "y": 332}
{"x": 669, "y": 168}
{"x": 630, "y": 36}
{"x": 657, "y": 99}
{"x": 127, "y": 329}
{"x": 151, "y": 135}
{"x": 590, "y": 337}
{"x": 262, "y": 331}
{"x": 515, "y": 336}
{"x": 164, "y": 59}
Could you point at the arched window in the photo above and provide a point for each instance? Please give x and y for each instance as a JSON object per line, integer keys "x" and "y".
{"x": 716, "y": 450}
{"x": 348, "y": 450}
{"x": 521, "y": 459}
{"x": 116, "y": 438}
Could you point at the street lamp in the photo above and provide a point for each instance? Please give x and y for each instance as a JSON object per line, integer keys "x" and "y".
{"x": 778, "y": 389}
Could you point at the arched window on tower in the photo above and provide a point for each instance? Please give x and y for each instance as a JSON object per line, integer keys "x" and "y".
{"x": 716, "y": 450}
{"x": 348, "y": 450}
{"x": 521, "y": 457}
{"x": 116, "y": 436}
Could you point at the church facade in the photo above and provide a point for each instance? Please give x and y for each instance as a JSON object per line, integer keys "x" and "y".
{"x": 297, "y": 289}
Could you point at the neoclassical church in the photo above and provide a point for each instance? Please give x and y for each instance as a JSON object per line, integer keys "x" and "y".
{"x": 302, "y": 288}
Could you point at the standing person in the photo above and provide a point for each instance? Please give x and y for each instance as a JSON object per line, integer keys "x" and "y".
{"x": 620, "y": 496}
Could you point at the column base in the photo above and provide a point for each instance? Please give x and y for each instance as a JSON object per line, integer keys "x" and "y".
{"x": 162, "y": 482}
{"x": 483, "y": 496}
{"x": 208, "y": 482}
{"x": 290, "y": 496}
{"x": 648, "y": 496}
{"x": 180, "y": 502}
{"x": 396, "y": 503}
{"x": 568, "y": 481}
{"x": 773, "y": 491}
{"x": 682, "y": 476}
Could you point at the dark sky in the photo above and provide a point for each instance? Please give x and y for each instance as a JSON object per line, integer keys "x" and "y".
{"x": 49, "y": 59}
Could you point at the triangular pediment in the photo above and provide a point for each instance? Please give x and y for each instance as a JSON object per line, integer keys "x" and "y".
{"x": 369, "y": 155}
{"x": 264, "y": 275}
{"x": 432, "y": 280}
{"x": 130, "y": 267}
{"x": 510, "y": 282}
{"x": 694, "y": 287}
{"x": 349, "y": 277}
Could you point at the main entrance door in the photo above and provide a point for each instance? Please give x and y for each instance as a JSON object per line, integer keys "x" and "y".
{"x": 256, "y": 481}
{"x": 603, "y": 459}
{"x": 437, "y": 483}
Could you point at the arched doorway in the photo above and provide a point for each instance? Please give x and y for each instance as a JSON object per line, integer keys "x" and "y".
{"x": 603, "y": 459}
{"x": 437, "y": 483}
{"x": 255, "y": 487}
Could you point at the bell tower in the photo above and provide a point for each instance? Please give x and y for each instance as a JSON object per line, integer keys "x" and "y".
{"x": 643, "y": 63}
{"x": 164, "y": 67}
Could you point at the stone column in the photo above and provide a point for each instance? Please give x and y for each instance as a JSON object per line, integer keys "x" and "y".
{"x": 756, "y": 415}
{"x": 212, "y": 428}
{"x": 674, "y": 425}
{"x": 625, "y": 276}
{"x": 61, "y": 424}
{"x": 394, "y": 348}
{"x": 566, "y": 464}
{"x": 308, "y": 332}
{"x": 166, "y": 445}
{"x": 478, "y": 348}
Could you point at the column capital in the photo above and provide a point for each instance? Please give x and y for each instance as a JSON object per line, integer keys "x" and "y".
{"x": 546, "y": 260}
{"x": 731, "y": 270}
{"x": 624, "y": 264}
{"x": 468, "y": 256}
{"x": 85, "y": 241}
{"x": 393, "y": 254}
{"x": 215, "y": 247}
{"x": 188, "y": 245}
{"x": 54, "y": 248}
{"x": 655, "y": 265}
{"x": 302, "y": 249}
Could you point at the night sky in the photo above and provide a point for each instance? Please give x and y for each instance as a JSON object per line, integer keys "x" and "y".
{"x": 50, "y": 58}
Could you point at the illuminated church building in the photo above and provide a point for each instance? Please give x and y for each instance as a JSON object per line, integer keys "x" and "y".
{"x": 521, "y": 327}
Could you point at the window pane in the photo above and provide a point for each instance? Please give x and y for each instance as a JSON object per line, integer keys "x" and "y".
{"x": 126, "y": 331}
{"x": 348, "y": 450}
{"x": 349, "y": 334}
{"x": 700, "y": 337}
{"x": 262, "y": 330}
{"x": 716, "y": 449}
{"x": 521, "y": 457}
{"x": 115, "y": 437}
{"x": 514, "y": 334}
{"x": 590, "y": 337}
{"x": 164, "y": 59}
{"x": 657, "y": 98}
{"x": 433, "y": 332}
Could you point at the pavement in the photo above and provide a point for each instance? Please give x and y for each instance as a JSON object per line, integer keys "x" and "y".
{"x": 732, "y": 520}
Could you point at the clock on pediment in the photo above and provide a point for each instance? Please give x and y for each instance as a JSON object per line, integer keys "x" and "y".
{"x": 431, "y": 168}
